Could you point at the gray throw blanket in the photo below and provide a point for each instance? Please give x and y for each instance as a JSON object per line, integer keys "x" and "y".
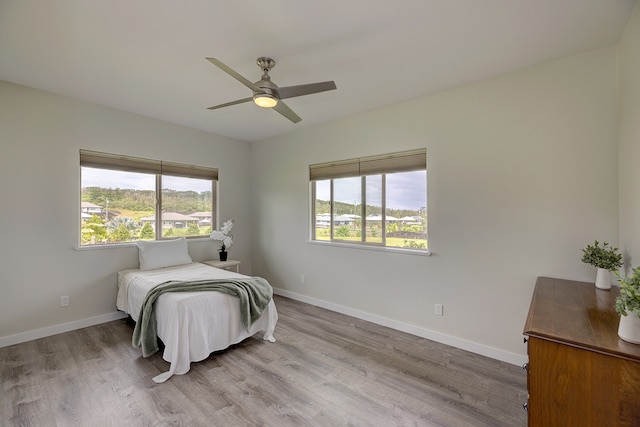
{"x": 254, "y": 293}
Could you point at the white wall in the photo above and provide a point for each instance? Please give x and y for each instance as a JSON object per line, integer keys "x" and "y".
{"x": 522, "y": 173}
{"x": 41, "y": 134}
{"x": 629, "y": 149}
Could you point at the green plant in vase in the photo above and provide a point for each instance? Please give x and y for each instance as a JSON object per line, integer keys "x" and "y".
{"x": 605, "y": 258}
{"x": 628, "y": 306}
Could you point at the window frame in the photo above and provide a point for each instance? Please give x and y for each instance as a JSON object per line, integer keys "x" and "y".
{"x": 363, "y": 167}
{"x": 159, "y": 168}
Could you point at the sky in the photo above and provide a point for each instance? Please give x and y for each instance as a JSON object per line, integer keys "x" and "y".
{"x": 104, "y": 178}
{"x": 406, "y": 190}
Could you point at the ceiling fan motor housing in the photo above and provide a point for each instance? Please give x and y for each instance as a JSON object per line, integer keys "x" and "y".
{"x": 267, "y": 89}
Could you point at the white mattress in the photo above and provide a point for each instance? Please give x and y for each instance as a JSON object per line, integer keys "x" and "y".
{"x": 192, "y": 325}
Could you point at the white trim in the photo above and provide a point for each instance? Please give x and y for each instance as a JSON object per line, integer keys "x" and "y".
{"x": 474, "y": 347}
{"x": 61, "y": 328}
{"x": 370, "y": 247}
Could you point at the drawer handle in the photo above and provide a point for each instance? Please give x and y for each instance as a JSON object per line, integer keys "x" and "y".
{"x": 525, "y": 366}
{"x": 525, "y": 340}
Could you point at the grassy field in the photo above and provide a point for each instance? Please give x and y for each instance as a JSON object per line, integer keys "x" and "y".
{"x": 135, "y": 214}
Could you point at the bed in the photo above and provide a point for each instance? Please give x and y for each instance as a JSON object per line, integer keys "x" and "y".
{"x": 192, "y": 325}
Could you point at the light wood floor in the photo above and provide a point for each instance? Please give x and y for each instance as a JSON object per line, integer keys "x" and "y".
{"x": 326, "y": 369}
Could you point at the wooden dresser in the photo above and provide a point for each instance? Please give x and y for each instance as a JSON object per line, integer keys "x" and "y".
{"x": 579, "y": 372}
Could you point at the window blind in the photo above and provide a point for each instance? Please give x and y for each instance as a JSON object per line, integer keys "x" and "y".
{"x": 138, "y": 164}
{"x": 189, "y": 171}
{"x": 387, "y": 163}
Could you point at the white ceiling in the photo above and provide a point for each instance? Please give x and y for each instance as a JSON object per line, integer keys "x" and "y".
{"x": 148, "y": 56}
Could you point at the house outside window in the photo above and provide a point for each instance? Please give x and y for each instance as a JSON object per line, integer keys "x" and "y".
{"x": 124, "y": 197}
{"x": 376, "y": 201}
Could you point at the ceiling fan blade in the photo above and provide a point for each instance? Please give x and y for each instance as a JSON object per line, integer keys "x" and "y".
{"x": 284, "y": 109}
{"x": 232, "y": 73}
{"x": 239, "y": 101}
{"x": 300, "y": 90}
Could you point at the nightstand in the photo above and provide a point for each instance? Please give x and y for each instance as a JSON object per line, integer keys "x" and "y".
{"x": 231, "y": 265}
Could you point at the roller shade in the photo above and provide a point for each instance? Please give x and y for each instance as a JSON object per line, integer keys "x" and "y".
{"x": 388, "y": 163}
{"x": 94, "y": 159}
{"x": 334, "y": 170}
{"x": 189, "y": 171}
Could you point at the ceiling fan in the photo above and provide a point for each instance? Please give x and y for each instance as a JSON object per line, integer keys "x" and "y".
{"x": 267, "y": 94}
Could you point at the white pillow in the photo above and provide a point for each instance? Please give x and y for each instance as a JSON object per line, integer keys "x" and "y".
{"x": 163, "y": 253}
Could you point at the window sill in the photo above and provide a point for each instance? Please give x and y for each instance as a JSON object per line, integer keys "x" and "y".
{"x": 371, "y": 248}
{"x": 105, "y": 246}
{"x": 132, "y": 244}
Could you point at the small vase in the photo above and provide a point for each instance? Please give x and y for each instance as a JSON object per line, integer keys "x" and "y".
{"x": 223, "y": 255}
{"x": 629, "y": 328}
{"x": 603, "y": 279}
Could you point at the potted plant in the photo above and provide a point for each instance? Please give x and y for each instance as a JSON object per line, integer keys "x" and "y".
{"x": 225, "y": 237}
{"x": 606, "y": 258}
{"x": 628, "y": 306}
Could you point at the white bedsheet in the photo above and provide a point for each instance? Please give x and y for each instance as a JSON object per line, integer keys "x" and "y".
{"x": 192, "y": 325}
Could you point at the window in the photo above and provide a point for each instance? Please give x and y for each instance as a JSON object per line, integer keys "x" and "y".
{"x": 377, "y": 201}
{"x": 123, "y": 199}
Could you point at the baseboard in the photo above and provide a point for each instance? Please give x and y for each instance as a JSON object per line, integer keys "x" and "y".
{"x": 58, "y": 329}
{"x": 474, "y": 347}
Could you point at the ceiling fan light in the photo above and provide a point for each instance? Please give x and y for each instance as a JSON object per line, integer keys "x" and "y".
{"x": 265, "y": 100}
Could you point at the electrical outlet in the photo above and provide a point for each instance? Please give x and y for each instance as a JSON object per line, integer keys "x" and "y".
{"x": 303, "y": 279}
{"x": 438, "y": 310}
{"x": 64, "y": 301}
